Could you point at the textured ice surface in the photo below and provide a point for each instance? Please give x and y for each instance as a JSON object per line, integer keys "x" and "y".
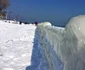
{"x": 67, "y": 43}
{"x": 75, "y": 35}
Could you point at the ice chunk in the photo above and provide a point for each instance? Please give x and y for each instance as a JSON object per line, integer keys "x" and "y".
{"x": 68, "y": 44}
{"x": 76, "y": 29}
{"x": 44, "y": 24}
{"x": 77, "y": 26}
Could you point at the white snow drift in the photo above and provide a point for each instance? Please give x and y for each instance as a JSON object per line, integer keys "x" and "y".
{"x": 64, "y": 44}
{"x": 16, "y": 44}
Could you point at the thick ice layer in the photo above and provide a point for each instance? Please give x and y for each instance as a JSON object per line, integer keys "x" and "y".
{"x": 48, "y": 37}
{"x": 68, "y": 44}
{"x": 75, "y": 35}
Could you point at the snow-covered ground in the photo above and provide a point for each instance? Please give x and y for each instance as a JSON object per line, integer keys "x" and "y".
{"x": 20, "y": 48}
{"x": 16, "y": 45}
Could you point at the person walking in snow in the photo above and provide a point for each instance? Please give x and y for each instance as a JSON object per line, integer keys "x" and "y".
{"x": 36, "y": 23}
{"x": 20, "y": 22}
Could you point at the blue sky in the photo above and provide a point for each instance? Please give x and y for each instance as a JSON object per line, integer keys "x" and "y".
{"x": 58, "y": 12}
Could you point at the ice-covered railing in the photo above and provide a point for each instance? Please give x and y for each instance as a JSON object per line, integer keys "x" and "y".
{"x": 64, "y": 45}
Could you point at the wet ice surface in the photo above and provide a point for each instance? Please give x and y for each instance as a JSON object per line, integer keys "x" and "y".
{"x": 16, "y": 44}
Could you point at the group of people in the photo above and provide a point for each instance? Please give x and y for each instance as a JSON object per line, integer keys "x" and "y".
{"x": 36, "y": 23}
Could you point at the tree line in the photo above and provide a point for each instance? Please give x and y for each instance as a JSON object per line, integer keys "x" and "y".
{"x": 4, "y": 4}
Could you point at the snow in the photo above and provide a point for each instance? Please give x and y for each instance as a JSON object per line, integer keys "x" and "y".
{"x": 76, "y": 35}
{"x": 64, "y": 47}
{"x": 50, "y": 37}
{"x": 20, "y": 47}
{"x": 16, "y": 45}
{"x": 47, "y": 47}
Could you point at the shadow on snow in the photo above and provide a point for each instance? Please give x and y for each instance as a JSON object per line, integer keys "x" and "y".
{"x": 36, "y": 55}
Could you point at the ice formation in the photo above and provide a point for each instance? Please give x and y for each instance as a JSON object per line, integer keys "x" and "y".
{"x": 67, "y": 43}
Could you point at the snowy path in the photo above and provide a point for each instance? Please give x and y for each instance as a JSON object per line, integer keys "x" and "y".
{"x": 16, "y": 45}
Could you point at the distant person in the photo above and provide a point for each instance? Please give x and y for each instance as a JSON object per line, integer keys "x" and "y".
{"x": 25, "y": 22}
{"x": 36, "y": 23}
{"x": 20, "y": 22}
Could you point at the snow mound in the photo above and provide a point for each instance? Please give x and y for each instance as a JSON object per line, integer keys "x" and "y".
{"x": 67, "y": 43}
{"x": 45, "y": 24}
{"x": 75, "y": 32}
{"x": 77, "y": 26}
